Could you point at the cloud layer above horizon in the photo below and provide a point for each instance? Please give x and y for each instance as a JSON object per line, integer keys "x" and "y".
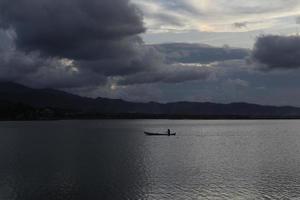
{"x": 95, "y": 48}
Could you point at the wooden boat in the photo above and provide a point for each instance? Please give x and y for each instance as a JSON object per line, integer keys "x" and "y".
{"x": 159, "y": 134}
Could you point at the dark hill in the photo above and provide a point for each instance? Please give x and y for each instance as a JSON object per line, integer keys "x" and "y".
{"x": 16, "y": 99}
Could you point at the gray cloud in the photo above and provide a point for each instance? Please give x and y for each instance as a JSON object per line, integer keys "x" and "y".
{"x": 298, "y": 19}
{"x": 258, "y": 7}
{"x": 246, "y": 24}
{"x": 179, "y": 6}
{"x": 277, "y": 52}
{"x": 238, "y": 82}
{"x": 176, "y": 73}
{"x": 184, "y": 62}
{"x": 163, "y": 19}
{"x": 199, "y": 53}
{"x": 240, "y": 24}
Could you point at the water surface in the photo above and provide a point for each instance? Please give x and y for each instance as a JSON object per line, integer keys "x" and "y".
{"x": 113, "y": 159}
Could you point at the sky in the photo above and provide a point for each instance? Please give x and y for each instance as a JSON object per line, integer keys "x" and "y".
{"x": 155, "y": 50}
{"x": 218, "y": 22}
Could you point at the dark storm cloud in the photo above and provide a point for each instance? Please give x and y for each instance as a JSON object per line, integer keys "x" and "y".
{"x": 72, "y": 42}
{"x": 39, "y": 71}
{"x": 36, "y": 71}
{"x": 75, "y": 29}
{"x": 78, "y": 43}
{"x": 145, "y": 59}
{"x": 277, "y": 52}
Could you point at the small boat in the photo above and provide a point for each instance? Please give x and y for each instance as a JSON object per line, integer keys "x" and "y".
{"x": 160, "y": 134}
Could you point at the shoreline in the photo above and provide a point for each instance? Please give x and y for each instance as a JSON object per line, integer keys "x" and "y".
{"x": 148, "y": 117}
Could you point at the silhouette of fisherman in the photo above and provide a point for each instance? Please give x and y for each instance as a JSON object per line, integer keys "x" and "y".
{"x": 169, "y": 132}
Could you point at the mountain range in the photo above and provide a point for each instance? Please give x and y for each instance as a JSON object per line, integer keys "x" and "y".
{"x": 18, "y": 102}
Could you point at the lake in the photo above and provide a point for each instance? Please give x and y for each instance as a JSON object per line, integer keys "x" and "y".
{"x": 113, "y": 159}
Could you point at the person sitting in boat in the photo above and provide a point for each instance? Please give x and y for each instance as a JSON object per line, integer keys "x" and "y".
{"x": 169, "y": 132}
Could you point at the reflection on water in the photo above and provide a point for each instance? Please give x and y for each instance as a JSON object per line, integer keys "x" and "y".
{"x": 115, "y": 160}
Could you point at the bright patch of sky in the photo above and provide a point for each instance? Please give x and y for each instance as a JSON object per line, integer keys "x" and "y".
{"x": 218, "y": 22}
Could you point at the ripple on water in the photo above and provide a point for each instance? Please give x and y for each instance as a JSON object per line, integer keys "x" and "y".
{"x": 209, "y": 160}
